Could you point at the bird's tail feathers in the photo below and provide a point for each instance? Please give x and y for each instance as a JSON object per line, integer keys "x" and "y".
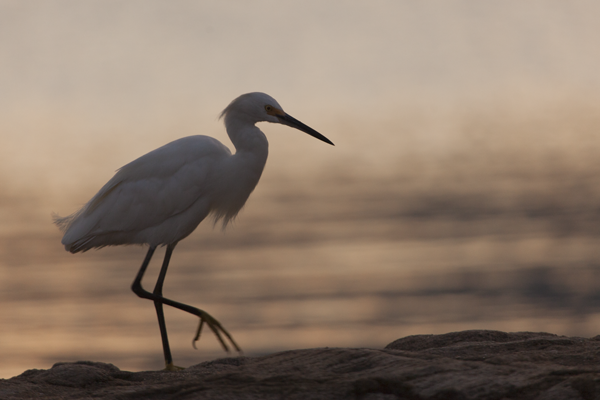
{"x": 81, "y": 245}
{"x": 64, "y": 223}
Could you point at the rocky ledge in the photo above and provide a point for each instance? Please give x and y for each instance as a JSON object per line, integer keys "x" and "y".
{"x": 462, "y": 365}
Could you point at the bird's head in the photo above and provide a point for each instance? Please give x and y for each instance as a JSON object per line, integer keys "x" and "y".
{"x": 258, "y": 107}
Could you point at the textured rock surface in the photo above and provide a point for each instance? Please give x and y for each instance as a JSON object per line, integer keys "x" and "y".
{"x": 461, "y": 365}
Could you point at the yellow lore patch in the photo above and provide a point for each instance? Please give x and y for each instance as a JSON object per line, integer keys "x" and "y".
{"x": 273, "y": 110}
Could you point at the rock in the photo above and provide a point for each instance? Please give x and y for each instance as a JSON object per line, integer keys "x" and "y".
{"x": 460, "y": 365}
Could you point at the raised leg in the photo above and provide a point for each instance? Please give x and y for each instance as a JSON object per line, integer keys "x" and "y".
{"x": 159, "y": 300}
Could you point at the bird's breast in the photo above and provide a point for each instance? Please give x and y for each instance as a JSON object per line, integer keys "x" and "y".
{"x": 236, "y": 178}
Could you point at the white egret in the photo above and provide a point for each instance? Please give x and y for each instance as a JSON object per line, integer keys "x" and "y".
{"x": 160, "y": 198}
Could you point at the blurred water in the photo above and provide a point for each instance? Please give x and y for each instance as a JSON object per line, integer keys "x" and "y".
{"x": 322, "y": 263}
{"x": 462, "y": 192}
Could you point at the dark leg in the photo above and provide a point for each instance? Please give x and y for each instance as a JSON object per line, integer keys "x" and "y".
{"x": 137, "y": 286}
{"x": 159, "y": 308}
{"x": 159, "y": 300}
{"x": 138, "y": 279}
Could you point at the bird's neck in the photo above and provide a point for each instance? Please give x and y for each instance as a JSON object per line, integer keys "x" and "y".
{"x": 247, "y": 138}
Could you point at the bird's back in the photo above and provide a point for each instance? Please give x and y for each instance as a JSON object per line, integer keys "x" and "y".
{"x": 159, "y": 198}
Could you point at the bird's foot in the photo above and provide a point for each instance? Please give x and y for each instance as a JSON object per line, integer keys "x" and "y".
{"x": 171, "y": 367}
{"x": 217, "y": 328}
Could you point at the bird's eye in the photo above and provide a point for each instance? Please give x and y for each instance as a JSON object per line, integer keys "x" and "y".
{"x": 268, "y": 108}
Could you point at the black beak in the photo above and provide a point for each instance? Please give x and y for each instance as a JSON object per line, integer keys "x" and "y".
{"x": 288, "y": 120}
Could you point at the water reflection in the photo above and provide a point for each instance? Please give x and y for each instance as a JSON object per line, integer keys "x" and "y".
{"x": 344, "y": 263}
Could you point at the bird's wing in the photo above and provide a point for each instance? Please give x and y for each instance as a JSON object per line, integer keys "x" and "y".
{"x": 149, "y": 190}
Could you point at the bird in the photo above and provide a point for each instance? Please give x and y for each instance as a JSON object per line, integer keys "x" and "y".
{"x": 161, "y": 197}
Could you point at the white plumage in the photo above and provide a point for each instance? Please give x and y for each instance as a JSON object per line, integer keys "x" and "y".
{"x": 161, "y": 197}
